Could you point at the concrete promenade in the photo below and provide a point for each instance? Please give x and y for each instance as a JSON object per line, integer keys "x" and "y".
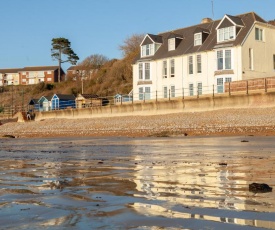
{"x": 165, "y": 106}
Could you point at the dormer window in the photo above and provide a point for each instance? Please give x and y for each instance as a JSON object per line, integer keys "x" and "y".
{"x": 197, "y": 39}
{"x": 228, "y": 28}
{"x": 227, "y": 33}
{"x": 171, "y": 44}
{"x": 147, "y": 50}
{"x": 150, "y": 45}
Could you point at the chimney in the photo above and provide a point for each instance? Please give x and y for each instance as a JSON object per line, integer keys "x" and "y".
{"x": 206, "y": 20}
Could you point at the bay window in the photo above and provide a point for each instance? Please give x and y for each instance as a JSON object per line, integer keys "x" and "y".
{"x": 144, "y": 71}
{"x": 224, "y": 59}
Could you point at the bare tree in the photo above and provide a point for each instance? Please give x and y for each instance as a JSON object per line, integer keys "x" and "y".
{"x": 92, "y": 64}
{"x": 131, "y": 46}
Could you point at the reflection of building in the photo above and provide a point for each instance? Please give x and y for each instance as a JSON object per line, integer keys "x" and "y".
{"x": 177, "y": 185}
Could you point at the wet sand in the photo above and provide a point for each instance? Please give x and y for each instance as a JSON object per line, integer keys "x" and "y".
{"x": 136, "y": 183}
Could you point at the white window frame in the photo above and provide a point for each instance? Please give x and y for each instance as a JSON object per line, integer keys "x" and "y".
{"x": 140, "y": 93}
{"x": 172, "y": 67}
{"x": 164, "y": 69}
{"x": 199, "y": 70}
{"x": 226, "y": 34}
{"x": 190, "y": 65}
{"x": 147, "y": 71}
{"x": 173, "y": 91}
{"x": 259, "y": 34}
{"x": 199, "y": 88}
{"x": 171, "y": 44}
{"x": 224, "y": 56}
{"x": 197, "y": 39}
{"x": 147, "y": 50}
{"x": 191, "y": 89}
{"x": 140, "y": 71}
{"x": 144, "y": 93}
{"x": 144, "y": 71}
{"x": 165, "y": 92}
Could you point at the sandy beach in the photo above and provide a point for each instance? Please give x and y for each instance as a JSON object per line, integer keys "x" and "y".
{"x": 136, "y": 183}
{"x": 219, "y": 123}
{"x": 173, "y": 171}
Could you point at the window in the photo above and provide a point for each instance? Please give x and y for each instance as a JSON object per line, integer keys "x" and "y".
{"x": 191, "y": 89}
{"x": 227, "y": 59}
{"x": 49, "y": 79}
{"x": 164, "y": 69}
{"x": 147, "y": 71}
{"x": 226, "y": 34}
{"x": 165, "y": 95}
{"x": 147, "y": 50}
{"x": 171, "y": 44}
{"x": 49, "y": 72}
{"x": 199, "y": 63}
{"x": 199, "y": 88}
{"x": 258, "y": 34}
{"x": 140, "y": 71}
{"x": 172, "y": 68}
{"x": 220, "y": 85}
{"x": 140, "y": 93}
{"x": 250, "y": 58}
{"x": 147, "y": 93}
{"x": 144, "y": 71}
{"x": 190, "y": 64}
{"x": 144, "y": 93}
{"x": 228, "y": 79}
{"x": 173, "y": 91}
{"x": 197, "y": 39}
{"x": 224, "y": 59}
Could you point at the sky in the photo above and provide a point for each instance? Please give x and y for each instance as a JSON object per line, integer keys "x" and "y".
{"x": 27, "y": 27}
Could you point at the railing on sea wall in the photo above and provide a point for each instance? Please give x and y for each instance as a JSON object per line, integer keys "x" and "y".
{"x": 262, "y": 85}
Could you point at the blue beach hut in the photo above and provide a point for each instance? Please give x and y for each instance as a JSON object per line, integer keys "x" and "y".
{"x": 45, "y": 103}
{"x": 62, "y": 101}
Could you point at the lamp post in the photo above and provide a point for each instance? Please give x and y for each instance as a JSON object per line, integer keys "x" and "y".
{"x": 79, "y": 73}
{"x": 12, "y": 99}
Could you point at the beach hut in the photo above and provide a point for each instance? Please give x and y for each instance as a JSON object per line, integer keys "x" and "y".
{"x": 34, "y": 105}
{"x": 119, "y": 98}
{"x": 45, "y": 103}
{"x": 87, "y": 100}
{"x": 62, "y": 101}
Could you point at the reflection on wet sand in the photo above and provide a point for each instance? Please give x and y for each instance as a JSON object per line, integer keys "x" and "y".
{"x": 136, "y": 183}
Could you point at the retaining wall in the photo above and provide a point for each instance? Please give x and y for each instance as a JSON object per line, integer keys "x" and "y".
{"x": 175, "y": 105}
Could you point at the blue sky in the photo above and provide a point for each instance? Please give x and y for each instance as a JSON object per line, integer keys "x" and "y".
{"x": 101, "y": 26}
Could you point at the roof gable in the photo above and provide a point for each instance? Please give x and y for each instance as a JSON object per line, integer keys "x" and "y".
{"x": 150, "y": 38}
{"x": 229, "y": 20}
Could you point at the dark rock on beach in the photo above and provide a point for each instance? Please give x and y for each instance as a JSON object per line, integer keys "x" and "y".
{"x": 259, "y": 188}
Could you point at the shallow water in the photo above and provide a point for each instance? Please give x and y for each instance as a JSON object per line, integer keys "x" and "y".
{"x": 136, "y": 183}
